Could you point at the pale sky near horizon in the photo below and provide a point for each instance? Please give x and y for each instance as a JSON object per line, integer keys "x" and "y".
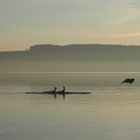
{"x": 24, "y": 23}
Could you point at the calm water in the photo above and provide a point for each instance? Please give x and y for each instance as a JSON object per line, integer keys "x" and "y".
{"x": 111, "y": 112}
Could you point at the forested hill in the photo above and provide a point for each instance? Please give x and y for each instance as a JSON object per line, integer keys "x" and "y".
{"x": 76, "y": 51}
{"x": 54, "y": 58}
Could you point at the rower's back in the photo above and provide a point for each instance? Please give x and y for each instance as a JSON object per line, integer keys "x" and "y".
{"x": 63, "y": 89}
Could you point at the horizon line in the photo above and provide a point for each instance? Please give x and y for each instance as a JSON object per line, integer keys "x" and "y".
{"x": 105, "y": 72}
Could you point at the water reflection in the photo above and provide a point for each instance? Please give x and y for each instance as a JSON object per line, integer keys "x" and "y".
{"x": 111, "y": 112}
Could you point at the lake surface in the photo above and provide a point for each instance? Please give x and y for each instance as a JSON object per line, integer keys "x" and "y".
{"x": 111, "y": 112}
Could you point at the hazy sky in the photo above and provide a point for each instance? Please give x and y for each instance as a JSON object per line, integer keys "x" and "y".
{"x": 27, "y": 22}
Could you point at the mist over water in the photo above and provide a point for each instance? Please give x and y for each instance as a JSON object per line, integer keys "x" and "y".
{"x": 69, "y": 79}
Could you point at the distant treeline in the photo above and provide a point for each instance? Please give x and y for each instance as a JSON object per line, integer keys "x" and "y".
{"x": 75, "y": 52}
{"x": 77, "y": 57}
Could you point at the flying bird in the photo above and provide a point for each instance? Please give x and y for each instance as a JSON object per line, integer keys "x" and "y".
{"x": 128, "y": 80}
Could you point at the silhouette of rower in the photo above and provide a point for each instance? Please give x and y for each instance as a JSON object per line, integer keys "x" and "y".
{"x": 54, "y": 92}
{"x": 63, "y": 89}
{"x": 63, "y": 92}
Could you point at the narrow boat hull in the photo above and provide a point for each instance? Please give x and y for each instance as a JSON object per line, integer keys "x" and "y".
{"x": 59, "y": 93}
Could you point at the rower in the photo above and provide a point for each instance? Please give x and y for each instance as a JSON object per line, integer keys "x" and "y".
{"x": 63, "y": 92}
{"x": 63, "y": 89}
{"x": 54, "y": 89}
{"x": 54, "y": 92}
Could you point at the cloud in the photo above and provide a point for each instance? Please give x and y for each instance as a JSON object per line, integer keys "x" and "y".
{"x": 124, "y": 35}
